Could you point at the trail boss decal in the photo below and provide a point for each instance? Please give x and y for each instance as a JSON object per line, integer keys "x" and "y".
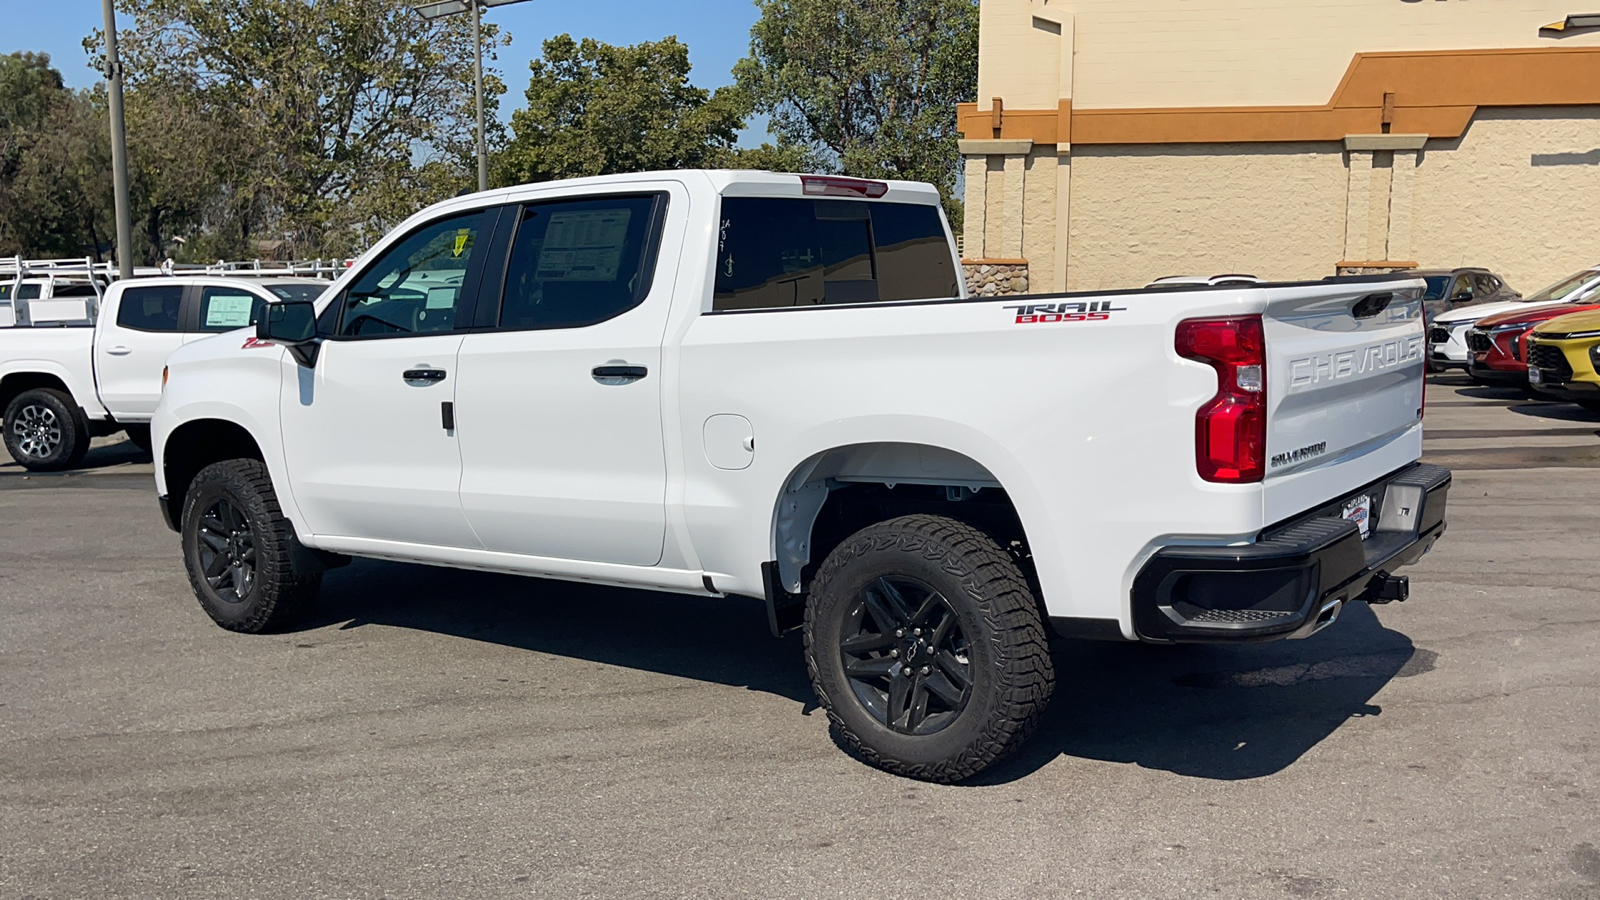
{"x": 254, "y": 343}
{"x": 1048, "y": 313}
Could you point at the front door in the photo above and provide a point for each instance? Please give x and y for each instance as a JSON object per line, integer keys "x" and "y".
{"x": 131, "y": 350}
{"x": 560, "y": 404}
{"x": 365, "y": 431}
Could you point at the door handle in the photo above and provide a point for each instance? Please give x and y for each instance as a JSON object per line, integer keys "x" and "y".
{"x": 119, "y": 351}
{"x": 422, "y": 377}
{"x": 614, "y": 374}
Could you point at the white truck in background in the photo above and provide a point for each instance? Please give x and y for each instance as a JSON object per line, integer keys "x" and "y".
{"x": 775, "y": 386}
{"x": 85, "y": 360}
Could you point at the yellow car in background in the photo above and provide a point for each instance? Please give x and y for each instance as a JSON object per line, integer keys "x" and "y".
{"x": 1564, "y": 358}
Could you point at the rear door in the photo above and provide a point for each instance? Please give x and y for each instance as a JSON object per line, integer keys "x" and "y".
{"x": 560, "y": 389}
{"x": 131, "y": 348}
{"x": 1344, "y": 388}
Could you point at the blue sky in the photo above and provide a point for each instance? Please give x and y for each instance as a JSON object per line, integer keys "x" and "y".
{"x": 717, "y": 32}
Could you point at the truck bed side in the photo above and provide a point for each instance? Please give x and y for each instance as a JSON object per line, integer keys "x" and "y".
{"x": 1078, "y": 406}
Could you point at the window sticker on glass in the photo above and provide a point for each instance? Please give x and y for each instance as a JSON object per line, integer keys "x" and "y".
{"x": 229, "y": 310}
{"x": 583, "y": 245}
{"x": 441, "y": 298}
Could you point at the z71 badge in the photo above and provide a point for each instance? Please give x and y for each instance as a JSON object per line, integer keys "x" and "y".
{"x": 1047, "y": 313}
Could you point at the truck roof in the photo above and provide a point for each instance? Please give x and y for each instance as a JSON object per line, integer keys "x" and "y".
{"x": 721, "y": 180}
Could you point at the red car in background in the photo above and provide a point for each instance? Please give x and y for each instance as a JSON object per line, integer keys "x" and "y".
{"x": 1496, "y": 343}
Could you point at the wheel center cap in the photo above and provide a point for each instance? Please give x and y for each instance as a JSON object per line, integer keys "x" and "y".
{"x": 913, "y": 651}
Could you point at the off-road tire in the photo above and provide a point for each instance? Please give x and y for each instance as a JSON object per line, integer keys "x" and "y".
{"x": 276, "y": 592}
{"x": 139, "y": 436}
{"x": 70, "y": 433}
{"x": 1008, "y": 652}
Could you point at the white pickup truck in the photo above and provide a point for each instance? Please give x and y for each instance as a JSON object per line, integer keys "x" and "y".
{"x": 73, "y": 376}
{"x": 775, "y": 386}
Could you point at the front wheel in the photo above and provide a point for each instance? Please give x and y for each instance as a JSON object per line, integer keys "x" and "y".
{"x": 44, "y": 431}
{"x": 238, "y": 549}
{"x": 926, "y": 648}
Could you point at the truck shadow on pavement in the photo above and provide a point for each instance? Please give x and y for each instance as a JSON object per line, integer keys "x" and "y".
{"x": 724, "y": 641}
{"x": 1216, "y": 712}
{"x": 102, "y": 455}
{"x": 1201, "y": 711}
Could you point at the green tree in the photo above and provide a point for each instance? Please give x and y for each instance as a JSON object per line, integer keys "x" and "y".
{"x": 869, "y": 86}
{"x": 313, "y": 121}
{"x": 597, "y": 109}
{"x": 49, "y": 193}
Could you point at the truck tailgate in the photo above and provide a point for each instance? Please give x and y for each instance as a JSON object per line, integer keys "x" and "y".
{"x": 1344, "y": 388}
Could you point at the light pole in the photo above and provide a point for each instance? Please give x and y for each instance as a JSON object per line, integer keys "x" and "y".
{"x": 439, "y": 10}
{"x": 119, "y": 146}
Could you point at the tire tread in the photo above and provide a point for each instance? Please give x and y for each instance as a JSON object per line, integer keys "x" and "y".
{"x": 284, "y": 592}
{"x": 1024, "y": 671}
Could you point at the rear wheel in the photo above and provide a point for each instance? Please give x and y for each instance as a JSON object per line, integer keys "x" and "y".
{"x": 44, "y": 431}
{"x": 238, "y": 549}
{"x": 926, "y": 648}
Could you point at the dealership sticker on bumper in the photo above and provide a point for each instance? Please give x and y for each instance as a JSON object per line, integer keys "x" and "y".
{"x": 1359, "y": 511}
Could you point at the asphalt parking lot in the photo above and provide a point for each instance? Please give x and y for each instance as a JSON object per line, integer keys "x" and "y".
{"x": 442, "y": 734}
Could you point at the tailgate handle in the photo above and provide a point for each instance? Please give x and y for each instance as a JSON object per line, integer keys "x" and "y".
{"x": 1371, "y": 305}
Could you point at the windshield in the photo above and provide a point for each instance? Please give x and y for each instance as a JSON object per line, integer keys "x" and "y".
{"x": 1436, "y": 286}
{"x": 1562, "y": 288}
{"x": 297, "y": 291}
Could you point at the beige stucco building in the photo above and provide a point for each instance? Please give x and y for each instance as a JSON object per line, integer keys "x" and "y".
{"x": 1117, "y": 141}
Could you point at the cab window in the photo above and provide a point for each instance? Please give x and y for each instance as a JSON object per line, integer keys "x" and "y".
{"x": 1462, "y": 288}
{"x": 416, "y": 285}
{"x": 580, "y": 262}
{"x": 151, "y": 308}
{"x": 777, "y": 252}
{"x": 228, "y": 308}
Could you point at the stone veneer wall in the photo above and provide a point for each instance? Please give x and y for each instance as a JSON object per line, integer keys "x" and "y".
{"x": 991, "y": 278}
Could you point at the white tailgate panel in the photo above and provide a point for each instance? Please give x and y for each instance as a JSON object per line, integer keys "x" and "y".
{"x": 1344, "y": 393}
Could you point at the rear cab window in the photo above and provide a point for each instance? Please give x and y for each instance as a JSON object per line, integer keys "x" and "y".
{"x": 782, "y": 252}
{"x": 151, "y": 308}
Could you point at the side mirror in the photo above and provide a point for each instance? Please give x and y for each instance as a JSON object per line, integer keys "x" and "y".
{"x": 1464, "y": 295}
{"x": 292, "y": 323}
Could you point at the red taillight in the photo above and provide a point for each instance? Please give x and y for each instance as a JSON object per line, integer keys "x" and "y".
{"x": 1230, "y": 431}
{"x": 836, "y": 186}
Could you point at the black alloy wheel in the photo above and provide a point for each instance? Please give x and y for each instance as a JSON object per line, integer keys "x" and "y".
{"x": 906, "y": 656}
{"x": 227, "y": 551}
{"x": 927, "y": 648}
{"x": 240, "y": 551}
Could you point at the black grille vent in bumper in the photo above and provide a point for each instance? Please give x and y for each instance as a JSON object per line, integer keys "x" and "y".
{"x": 1550, "y": 359}
{"x": 1438, "y": 335}
{"x": 1478, "y": 342}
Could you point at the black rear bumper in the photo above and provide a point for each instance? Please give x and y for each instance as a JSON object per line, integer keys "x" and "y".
{"x": 1297, "y": 575}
